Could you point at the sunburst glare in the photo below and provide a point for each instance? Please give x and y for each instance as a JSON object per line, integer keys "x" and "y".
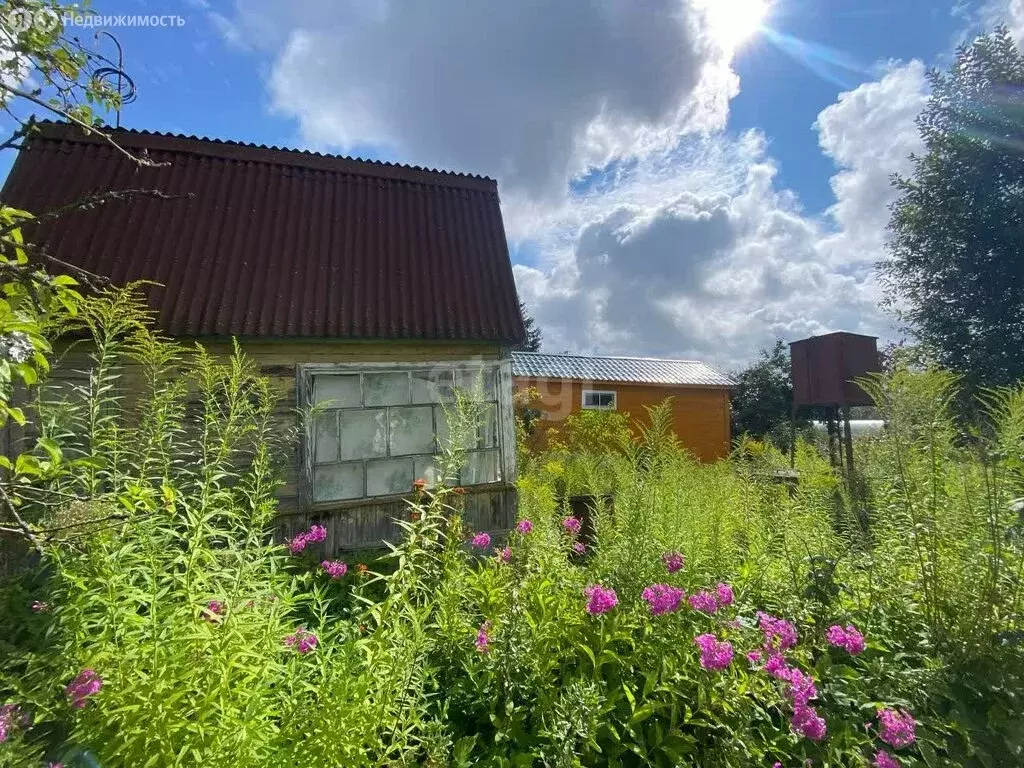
{"x": 734, "y": 22}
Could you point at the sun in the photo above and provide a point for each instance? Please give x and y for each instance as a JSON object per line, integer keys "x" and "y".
{"x": 733, "y": 22}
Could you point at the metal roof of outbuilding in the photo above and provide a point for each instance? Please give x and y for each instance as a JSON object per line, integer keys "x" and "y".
{"x": 628, "y": 370}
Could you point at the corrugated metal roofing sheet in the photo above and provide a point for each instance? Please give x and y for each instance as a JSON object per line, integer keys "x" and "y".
{"x": 278, "y": 243}
{"x": 631, "y": 370}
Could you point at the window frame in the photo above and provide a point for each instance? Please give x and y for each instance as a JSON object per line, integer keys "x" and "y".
{"x": 613, "y": 407}
{"x": 306, "y": 374}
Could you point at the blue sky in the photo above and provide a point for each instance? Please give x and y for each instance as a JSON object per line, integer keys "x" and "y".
{"x": 664, "y": 192}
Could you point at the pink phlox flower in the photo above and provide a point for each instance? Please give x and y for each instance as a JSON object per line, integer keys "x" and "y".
{"x": 481, "y": 541}
{"x": 572, "y": 525}
{"x": 315, "y": 534}
{"x": 704, "y": 602}
{"x": 87, "y": 683}
{"x": 214, "y": 610}
{"x": 776, "y": 764}
{"x": 715, "y": 654}
{"x": 884, "y": 760}
{"x": 674, "y": 561}
{"x": 525, "y": 527}
{"x": 754, "y": 657}
{"x": 55, "y": 765}
{"x": 483, "y": 637}
{"x": 808, "y": 723}
{"x": 776, "y": 666}
{"x": 723, "y": 592}
{"x": 579, "y": 548}
{"x": 850, "y": 639}
{"x": 335, "y": 568}
{"x": 302, "y": 641}
{"x": 778, "y": 633}
{"x": 896, "y": 727}
{"x": 9, "y": 720}
{"x": 599, "y": 599}
{"x": 663, "y": 598}
{"x": 801, "y": 687}
{"x": 503, "y": 555}
{"x": 38, "y": 606}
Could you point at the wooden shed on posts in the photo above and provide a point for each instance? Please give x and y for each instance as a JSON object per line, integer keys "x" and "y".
{"x": 374, "y": 286}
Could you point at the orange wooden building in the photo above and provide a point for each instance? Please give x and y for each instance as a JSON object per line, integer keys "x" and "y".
{"x": 567, "y": 384}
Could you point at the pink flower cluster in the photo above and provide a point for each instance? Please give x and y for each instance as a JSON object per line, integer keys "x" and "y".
{"x": 779, "y": 634}
{"x": 579, "y": 548}
{"x": 315, "y": 534}
{"x": 599, "y": 599}
{"x": 572, "y": 525}
{"x": 850, "y": 638}
{"x": 483, "y": 638}
{"x": 704, "y": 602}
{"x": 806, "y": 721}
{"x": 86, "y": 683}
{"x": 481, "y": 541}
{"x": 8, "y": 720}
{"x": 884, "y": 760}
{"x": 301, "y": 640}
{"x": 503, "y": 555}
{"x": 335, "y": 568}
{"x": 896, "y": 727}
{"x": 673, "y": 561}
{"x": 714, "y": 654}
{"x": 663, "y": 598}
{"x": 525, "y": 527}
{"x": 214, "y": 610}
{"x": 723, "y": 593}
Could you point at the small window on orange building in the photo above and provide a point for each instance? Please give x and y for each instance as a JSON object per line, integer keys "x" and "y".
{"x": 598, "y": 400}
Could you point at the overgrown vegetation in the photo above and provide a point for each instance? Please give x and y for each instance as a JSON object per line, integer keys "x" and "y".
{"x": 699, "y": 616}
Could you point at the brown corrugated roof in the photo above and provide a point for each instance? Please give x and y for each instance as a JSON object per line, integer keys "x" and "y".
{"x": 278, "y": 243}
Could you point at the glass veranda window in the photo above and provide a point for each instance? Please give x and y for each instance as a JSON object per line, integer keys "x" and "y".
{"x": 378, "y": 430}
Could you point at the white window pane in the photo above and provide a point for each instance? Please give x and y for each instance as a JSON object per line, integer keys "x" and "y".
{"x": 326, "y": 438}
{"x": 412, "y": 430}
{"x": 477, "y": 383}
{"x": 434, "y": 386}
{"x": 488, "y": 431}
{"x": 389, "y": 477}
{"x": 363, "y": 434}
{"x": 481, "y": 467}
{"x": 338, "y": 482}
{"x": 441, "y": 419}
{"x": 387, "y": 388}
{"x": 337, "y": 391}
{"x": 426, "y": 468}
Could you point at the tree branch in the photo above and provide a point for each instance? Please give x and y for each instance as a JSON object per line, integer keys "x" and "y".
{"x": 143, "y": 161}
{"x": 24, "y": 528}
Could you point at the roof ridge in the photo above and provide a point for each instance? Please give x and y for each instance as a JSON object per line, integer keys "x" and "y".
{"x": 611, "y": 357}
{"x": 54, "y": 129}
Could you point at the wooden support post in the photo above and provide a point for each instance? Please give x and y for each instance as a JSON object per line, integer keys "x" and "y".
{"x": 848, "y": 435}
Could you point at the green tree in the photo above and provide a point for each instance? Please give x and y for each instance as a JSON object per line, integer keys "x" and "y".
{"x": 533, "y": 333}
{"x": 763, "y": 398}
{"x": 44, "y": 72}
{"x": 956, "y": 259}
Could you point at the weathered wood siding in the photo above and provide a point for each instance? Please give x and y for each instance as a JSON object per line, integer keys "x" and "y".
{"x": 701, "y": 415}
{"x": 351, "y": 525}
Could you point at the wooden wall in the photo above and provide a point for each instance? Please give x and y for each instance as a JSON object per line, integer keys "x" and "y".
{"x": 701, "y": 415}
{"x": 352, "y": 525}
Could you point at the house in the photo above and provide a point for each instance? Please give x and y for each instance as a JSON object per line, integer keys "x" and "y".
{"x": 568, "y": 384}
{"x": 376, "y": 287}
